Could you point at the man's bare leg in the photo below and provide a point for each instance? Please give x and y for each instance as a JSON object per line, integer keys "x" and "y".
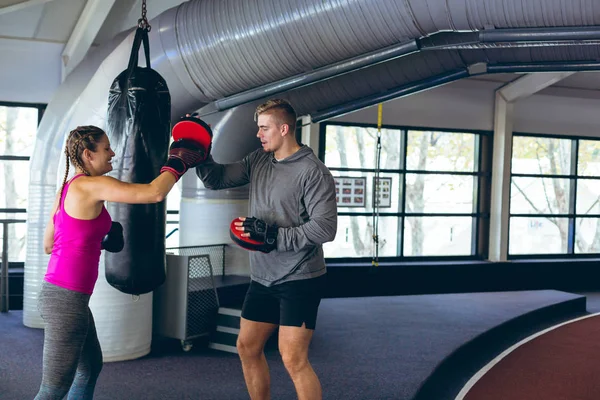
{"x": 293, "y": 346}
{"x": 250, "y": 345}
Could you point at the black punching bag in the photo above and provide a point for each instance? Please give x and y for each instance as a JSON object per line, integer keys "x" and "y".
{"x": 139, "y": 128}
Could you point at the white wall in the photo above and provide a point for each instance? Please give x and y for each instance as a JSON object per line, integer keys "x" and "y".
{"x": 464, "y": 104}
{"x": 30, "y": 70}
{"x": 469, "y": 104}
{"x": 560, "y": 111}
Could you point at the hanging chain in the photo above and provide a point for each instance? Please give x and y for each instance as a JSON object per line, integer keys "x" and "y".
{"x": 143, "y": 22}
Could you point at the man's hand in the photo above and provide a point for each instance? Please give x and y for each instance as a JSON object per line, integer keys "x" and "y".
{"x": 259, "y": 230}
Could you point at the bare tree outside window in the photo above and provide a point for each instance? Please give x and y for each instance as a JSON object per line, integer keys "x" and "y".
{"x": 542, "y": 202}
{"x": 587, "y": 235}
{"x": 442, "y": 191}
{"x": 18, "y": 126}
{"x": 354, "y": 147}
{"x": 428, "y": 193}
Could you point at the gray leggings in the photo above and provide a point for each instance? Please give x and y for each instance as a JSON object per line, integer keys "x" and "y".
{"x": 72, "y": 354}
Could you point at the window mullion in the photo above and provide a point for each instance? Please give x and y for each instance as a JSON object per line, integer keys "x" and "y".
{"x": 403, "y": 163}
{"x": 573, "y": 196}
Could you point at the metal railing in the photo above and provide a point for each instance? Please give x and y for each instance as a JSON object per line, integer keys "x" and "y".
{"x": 4, "y": 292}
{"x": 5, "y": 266}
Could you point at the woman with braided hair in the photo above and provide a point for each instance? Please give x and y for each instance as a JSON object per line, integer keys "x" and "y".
{"x": 78, "y": 229}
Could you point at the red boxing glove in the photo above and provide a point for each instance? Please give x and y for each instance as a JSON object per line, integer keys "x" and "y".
{"x": 183, "y": 155}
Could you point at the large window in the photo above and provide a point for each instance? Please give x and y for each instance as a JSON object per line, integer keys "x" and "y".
{"x": 18, "y": 126}
{"x": 555, "y": 195}
{"x": 429, "y": 203}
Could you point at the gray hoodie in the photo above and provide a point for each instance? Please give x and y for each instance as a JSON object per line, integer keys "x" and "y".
{"x": 298, "y": 195}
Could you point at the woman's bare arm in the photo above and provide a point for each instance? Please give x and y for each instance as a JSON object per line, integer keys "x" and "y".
{"x": 106, "y": 188}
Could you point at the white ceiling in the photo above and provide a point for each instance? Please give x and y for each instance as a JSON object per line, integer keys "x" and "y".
{"x": 74, "y": 26}
{"x": 54, "y": 20}
{"x": 51, "y": 21}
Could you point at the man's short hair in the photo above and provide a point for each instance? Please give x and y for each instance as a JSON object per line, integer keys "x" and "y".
{"x": 281, "y": 109}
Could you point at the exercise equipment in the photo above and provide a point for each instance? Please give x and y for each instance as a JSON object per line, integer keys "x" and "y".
{"x": 257, "y": 228}
{"x": 139, "y": 128}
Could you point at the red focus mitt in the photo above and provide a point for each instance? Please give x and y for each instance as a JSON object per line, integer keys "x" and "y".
{"x": 196, "y": 130}
{"x": 263, "y": 237}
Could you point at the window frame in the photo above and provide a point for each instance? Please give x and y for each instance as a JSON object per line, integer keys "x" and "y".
{"x": 41, "y": 108}
{"x": 481, "y": 192}
{"x": 573, "y": 178}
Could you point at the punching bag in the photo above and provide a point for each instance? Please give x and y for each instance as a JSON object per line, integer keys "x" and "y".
{"x": 139, "y": 125}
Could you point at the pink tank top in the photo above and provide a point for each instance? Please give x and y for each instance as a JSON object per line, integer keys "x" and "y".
{"x": 75, "y": 254}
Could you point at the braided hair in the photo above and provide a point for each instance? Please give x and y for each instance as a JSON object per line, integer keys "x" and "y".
{"x": 80, "y": 138}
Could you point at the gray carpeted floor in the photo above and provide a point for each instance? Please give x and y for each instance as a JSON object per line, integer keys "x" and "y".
{"x": 363, "y": 348}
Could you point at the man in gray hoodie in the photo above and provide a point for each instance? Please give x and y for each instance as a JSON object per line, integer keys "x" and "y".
{"x": 293, "y": 211}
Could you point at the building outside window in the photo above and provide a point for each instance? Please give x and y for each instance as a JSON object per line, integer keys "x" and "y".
{"x": 555, "y": 196}
{"x": 18, "y": 127}
{"x": 430, "y": 186}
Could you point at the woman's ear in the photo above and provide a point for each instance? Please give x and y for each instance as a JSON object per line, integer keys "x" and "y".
{"x": 86, "y": 155}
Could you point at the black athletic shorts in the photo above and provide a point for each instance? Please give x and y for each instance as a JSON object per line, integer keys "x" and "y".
{"x": 288, "y": 304}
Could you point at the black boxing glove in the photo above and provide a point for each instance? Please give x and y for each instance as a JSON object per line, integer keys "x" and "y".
{"x": 261, "y": 231}
{"x": 114, "y": 240}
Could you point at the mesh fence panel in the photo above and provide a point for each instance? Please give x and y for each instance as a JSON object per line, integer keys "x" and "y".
{"x": 202, "y": 297}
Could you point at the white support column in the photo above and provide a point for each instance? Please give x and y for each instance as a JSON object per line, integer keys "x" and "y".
{"x": 90, "y": 21}
{"x": 502, "y": 153}
{"x": 310, "y": 134}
